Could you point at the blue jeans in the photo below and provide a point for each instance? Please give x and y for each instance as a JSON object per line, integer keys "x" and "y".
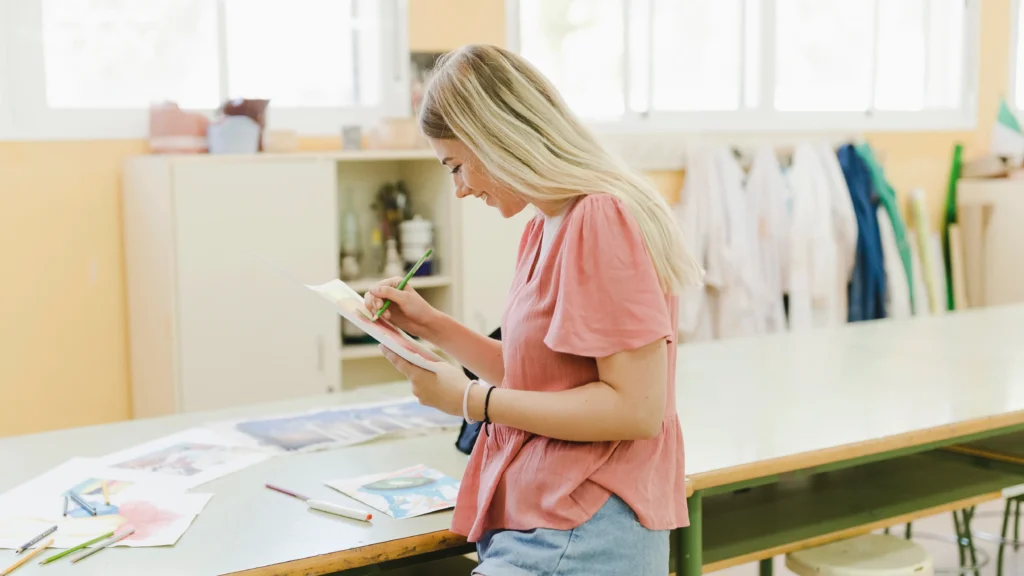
{"x": 612, "y": 543}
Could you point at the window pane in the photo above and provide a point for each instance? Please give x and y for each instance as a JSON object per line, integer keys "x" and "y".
{"x": 697, "y": 60}
{"x": 127, "y": 53}
{"x": 303, "y": 52}
{"x": 944, "y": 33}
{"x": 823, "y": 54}
{"x": 899, "y": 84}
{"x": 640, "y": 55}
{"x": 578, "y": 44}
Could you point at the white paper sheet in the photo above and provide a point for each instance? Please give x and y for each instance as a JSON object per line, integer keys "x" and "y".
{"x": 337, "y": 426}
{"x": 350, "y": 305}
{"x": 160, "y": 517}
{"x": 183, "y": 460}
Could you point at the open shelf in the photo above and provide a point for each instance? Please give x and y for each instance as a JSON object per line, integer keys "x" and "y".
{"x": 364, "y": 351}
{"x": 361, "y": 285}
{"x": 809, "y": 511}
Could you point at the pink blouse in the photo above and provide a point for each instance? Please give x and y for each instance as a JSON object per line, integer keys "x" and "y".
{"x": 594, "y": 294}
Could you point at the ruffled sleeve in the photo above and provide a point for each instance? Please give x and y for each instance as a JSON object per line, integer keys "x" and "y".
{"x": 609, "y": 298}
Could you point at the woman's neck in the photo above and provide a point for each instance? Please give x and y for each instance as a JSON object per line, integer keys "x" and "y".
{"x": 554, "y": 207}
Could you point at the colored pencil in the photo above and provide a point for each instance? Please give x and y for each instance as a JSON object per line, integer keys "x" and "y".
{"x": 65, "y": 504}
{"x": 32, "y": 542}
{"x": 106, "y": 495}
{"x": 117, "y": 537}
{"x": 401, "y": 285}
{"x": 26, "y": 558}
{"x": 60, "y": 555}
{"x": 287, "y": 492}
{"x": 81, "y": 502}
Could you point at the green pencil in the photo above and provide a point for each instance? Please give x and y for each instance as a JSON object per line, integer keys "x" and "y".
{"x": 60, "y": 555}
{"x": 401, "y": 285}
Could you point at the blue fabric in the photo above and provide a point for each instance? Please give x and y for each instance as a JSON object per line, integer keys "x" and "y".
{"x": 867, "y": 287}
{"x": 611, "y": 543}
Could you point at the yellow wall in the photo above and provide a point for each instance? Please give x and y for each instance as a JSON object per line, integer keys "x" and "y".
{"x": 63, "y": 341}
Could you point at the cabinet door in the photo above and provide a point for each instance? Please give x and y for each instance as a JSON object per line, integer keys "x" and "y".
{"x": 247, "y": 333}
{"x": 489, "y": 245}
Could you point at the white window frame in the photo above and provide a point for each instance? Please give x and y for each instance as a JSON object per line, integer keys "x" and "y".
{"x": 30, "y": 118}
{"x": 766, "y": 119}
{"x": 1011, "y": 89}
{"x": 6, "y": 96}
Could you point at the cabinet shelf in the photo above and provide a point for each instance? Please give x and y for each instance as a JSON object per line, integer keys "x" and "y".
{"x": 364, "y": 351}
{"x": 362, "y": 285}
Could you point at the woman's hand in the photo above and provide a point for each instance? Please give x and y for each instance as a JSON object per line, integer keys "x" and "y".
{"x": 442, "y": 390}
{"x": 408, "y": 310}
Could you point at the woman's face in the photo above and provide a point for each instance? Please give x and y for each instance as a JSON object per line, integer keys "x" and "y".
{"x": 472, "y": 179}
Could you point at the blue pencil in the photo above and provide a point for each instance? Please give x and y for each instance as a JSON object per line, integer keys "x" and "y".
{"x": 81, "y": 502}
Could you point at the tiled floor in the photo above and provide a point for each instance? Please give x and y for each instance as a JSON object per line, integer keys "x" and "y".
{"x": 936, "y": 534}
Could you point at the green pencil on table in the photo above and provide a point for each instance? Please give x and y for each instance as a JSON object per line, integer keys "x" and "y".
{"x": 77, "y": 548}
{"x": 401, "y": 285}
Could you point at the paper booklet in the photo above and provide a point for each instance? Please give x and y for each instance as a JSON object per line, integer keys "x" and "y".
{"x": 350, "y": 305}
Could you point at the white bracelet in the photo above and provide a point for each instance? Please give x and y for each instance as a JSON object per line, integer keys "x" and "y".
{"x": 465, "y": 403}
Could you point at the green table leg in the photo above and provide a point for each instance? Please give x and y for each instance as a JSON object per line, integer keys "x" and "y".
{"x": 688, "y": 558}
{"x": 1002, "y": 537}
{"x": 959, "y": 539}
{"x": 765, "y": 567}
{"x": 1016, "y": 525}
{"x": 969, "y": 533}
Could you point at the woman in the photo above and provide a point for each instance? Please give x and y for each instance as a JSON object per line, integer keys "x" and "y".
{"x": 580, "y": 468}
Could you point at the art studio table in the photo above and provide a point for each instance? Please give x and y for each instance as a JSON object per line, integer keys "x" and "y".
{"x": 791, "y": 441}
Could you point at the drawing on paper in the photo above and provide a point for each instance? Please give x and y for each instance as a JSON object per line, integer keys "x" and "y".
{"x": 346, "y": 425}
{"x": 158, "y": 521}
{"x": 350, "y": 305}
{"x": 184, "y": 459}
{"x": 403, "y": 494}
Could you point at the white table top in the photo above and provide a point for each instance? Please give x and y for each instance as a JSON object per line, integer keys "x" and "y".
{"x": 749, "y": 401}
{"x": 245, "y": 525}
{"x": 743, "y": 403}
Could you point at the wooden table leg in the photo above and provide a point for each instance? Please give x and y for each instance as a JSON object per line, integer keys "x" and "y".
{"x": 689, "y": 559}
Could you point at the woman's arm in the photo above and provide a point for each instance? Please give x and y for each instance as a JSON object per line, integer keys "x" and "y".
{"x": 628, "y": 403}
{"x": 480, "y": 354}
{"x": 410, "y": 312}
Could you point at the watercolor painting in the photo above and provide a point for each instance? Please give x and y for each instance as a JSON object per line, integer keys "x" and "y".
{"x": 346, "y": 425}
{"x": 158, "y": 521}
{"x": 402, "y": 494}
{"x": 350, "y": 305}
{"x": 183, "y": 460}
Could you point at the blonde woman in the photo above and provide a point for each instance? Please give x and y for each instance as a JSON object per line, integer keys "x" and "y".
{"x": 580, "y": 466}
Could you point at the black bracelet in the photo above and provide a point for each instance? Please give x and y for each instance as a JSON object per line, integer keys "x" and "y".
{"x": 487, "y": 404}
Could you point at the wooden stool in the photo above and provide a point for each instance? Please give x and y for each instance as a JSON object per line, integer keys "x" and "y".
{"x": 867, "y": 555}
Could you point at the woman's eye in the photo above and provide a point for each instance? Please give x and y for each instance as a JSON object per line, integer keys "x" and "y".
{"x": 457, "y": 169}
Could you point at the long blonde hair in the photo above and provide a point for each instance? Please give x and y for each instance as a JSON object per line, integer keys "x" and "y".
{"x": 514, "y": 120}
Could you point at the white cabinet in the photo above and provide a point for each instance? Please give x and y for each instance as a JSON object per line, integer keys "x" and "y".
{"x": 989, "y": 212}
{"x": 212, "y": 324}
{"x": 244, "y": 331}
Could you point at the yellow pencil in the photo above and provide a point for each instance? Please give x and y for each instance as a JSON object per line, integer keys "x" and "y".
{"x": 27, "y": 557}
{"x": 106, "y": 495}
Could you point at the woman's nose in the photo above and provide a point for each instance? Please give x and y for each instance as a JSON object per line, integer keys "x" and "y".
{"x": 461, "y": 191}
